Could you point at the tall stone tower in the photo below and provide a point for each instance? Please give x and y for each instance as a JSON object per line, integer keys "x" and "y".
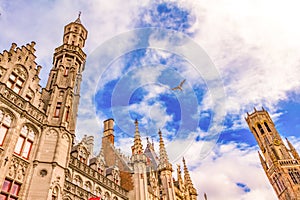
{"x": 281, "y": 164}
{"x": 139, "y": 161}
{"x": 59, "y": 102}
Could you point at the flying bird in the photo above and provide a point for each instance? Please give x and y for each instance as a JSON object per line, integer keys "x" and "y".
{"x": 179, "y": 87}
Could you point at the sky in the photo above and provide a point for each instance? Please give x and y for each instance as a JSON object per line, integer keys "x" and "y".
{"x": 234, "y": 55}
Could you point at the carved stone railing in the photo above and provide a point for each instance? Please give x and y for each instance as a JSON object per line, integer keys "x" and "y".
{"x": 288, "y": 162}
{"x": 21, "y": 103}
{"x": 97, "y": 177}
{"x": 71, "y": 48}
{"x": 76, "y": 191}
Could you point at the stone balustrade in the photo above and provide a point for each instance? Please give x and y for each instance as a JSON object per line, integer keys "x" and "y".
{"x": 97, "y": 177}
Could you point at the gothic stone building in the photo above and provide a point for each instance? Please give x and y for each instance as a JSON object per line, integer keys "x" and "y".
{"x": 38, "y": 158}
{"x": 281, "y": 164}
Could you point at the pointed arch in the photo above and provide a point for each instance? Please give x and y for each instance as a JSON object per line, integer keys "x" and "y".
{"x": 267, "y": 126}
{"x": 260, "y": 128}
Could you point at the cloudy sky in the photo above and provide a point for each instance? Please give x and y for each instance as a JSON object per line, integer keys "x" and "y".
{"x": 234, "y": 55}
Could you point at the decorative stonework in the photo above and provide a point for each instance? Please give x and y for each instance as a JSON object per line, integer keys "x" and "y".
{"x": 17, "y": 169}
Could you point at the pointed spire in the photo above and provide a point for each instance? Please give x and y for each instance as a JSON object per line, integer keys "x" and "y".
{"x": 163, "y": 156}
{"x": 179, "y": 177}
{"x": 150, "y": 145}
{"x": 293, "y": 150}
{"x": 137, "y": 147}
{"x": 205, "y": 196}
{"x": 78, "y": 21}
{"x": 187, "y": 180}
{"x": 262, "y": 161}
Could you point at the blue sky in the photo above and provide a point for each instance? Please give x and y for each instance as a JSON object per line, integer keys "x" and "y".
{"x": 235, "y": 55}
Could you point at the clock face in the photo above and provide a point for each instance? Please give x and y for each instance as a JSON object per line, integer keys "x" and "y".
{"x": 276, "y": 142}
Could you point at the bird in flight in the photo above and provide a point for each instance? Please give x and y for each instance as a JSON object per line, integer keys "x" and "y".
{"x": 179, "y": 87}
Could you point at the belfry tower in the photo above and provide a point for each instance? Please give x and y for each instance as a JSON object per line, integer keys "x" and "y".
{"x": 281, "y": 164}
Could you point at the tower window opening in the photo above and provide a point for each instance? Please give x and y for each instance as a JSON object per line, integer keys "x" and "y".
{"x": 68, "y": 113}
{"x": 266, "y": 141}
{"x": 66, "y": 73}
{"x": 260, "y": 129}
{"x": 57, "y": 109}
{"x": 295, "y": 176}
{"x": 267, "y": 126}
{"x": 255, "y": 131}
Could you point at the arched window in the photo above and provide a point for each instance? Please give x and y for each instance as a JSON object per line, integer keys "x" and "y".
{"x": 106, "y": 196}
{"x": 255, "y": 131}
{"x": 78, "y": 180}
{"x": 54, "y": 193}
{"x": 5, "y": 122}
{"x": 267, "y": 127}
{"x": 260, "y": 129}
{"x": 88, "y": 186}
{"x": 82, "y": 155}
{"x": 25, "y": 142}
{"x": 98, "y": 191}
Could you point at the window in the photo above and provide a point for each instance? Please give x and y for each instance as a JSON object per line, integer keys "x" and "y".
{"x": 255, "y": 131}
{"x": 260, "y": 129}
{"x": 66, "y": 73}
{"x": 15, "y": 83}
{"x": 25, "y": 142}
{"x": 88, "y": 186}
{"x": 295, "y": 176}
{"x": 68, "y": 113}
{"x": 54, "y": 193}
{"x": 10, "y": 190}
{"x": 267, "y": 127}
{"x": 5, "y": 121}
{"x": 57, "y": 109}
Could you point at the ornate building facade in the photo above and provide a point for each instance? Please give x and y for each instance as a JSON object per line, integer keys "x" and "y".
{"x": 280, "y": 163}
{"x": 38, "y": 157}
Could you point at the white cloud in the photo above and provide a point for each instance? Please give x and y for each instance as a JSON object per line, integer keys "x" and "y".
{"x": 226, "y": 165}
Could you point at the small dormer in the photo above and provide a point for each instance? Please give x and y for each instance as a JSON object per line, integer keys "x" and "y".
{"x": 80, "y": 152}
{"x": 113, "y": 173}
{"x": 98, "y": 163}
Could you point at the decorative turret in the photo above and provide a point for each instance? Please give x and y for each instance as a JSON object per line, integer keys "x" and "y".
{"x": 188, "y": 182}
{"x": 164, "y": 163}
{"x": 293, "y": 150}
{"x": 165, "y": 171}
{"x": 262, "y": 161}
{"x": 137, "y": 148}
{"x": 139, "y": 164}
{"x": 179, "y": 179}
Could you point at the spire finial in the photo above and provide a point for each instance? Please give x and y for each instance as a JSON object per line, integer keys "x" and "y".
{"x": 137, "y": 146}
{"x": 163, "y": 156}
{"x": 78, "y": 19}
